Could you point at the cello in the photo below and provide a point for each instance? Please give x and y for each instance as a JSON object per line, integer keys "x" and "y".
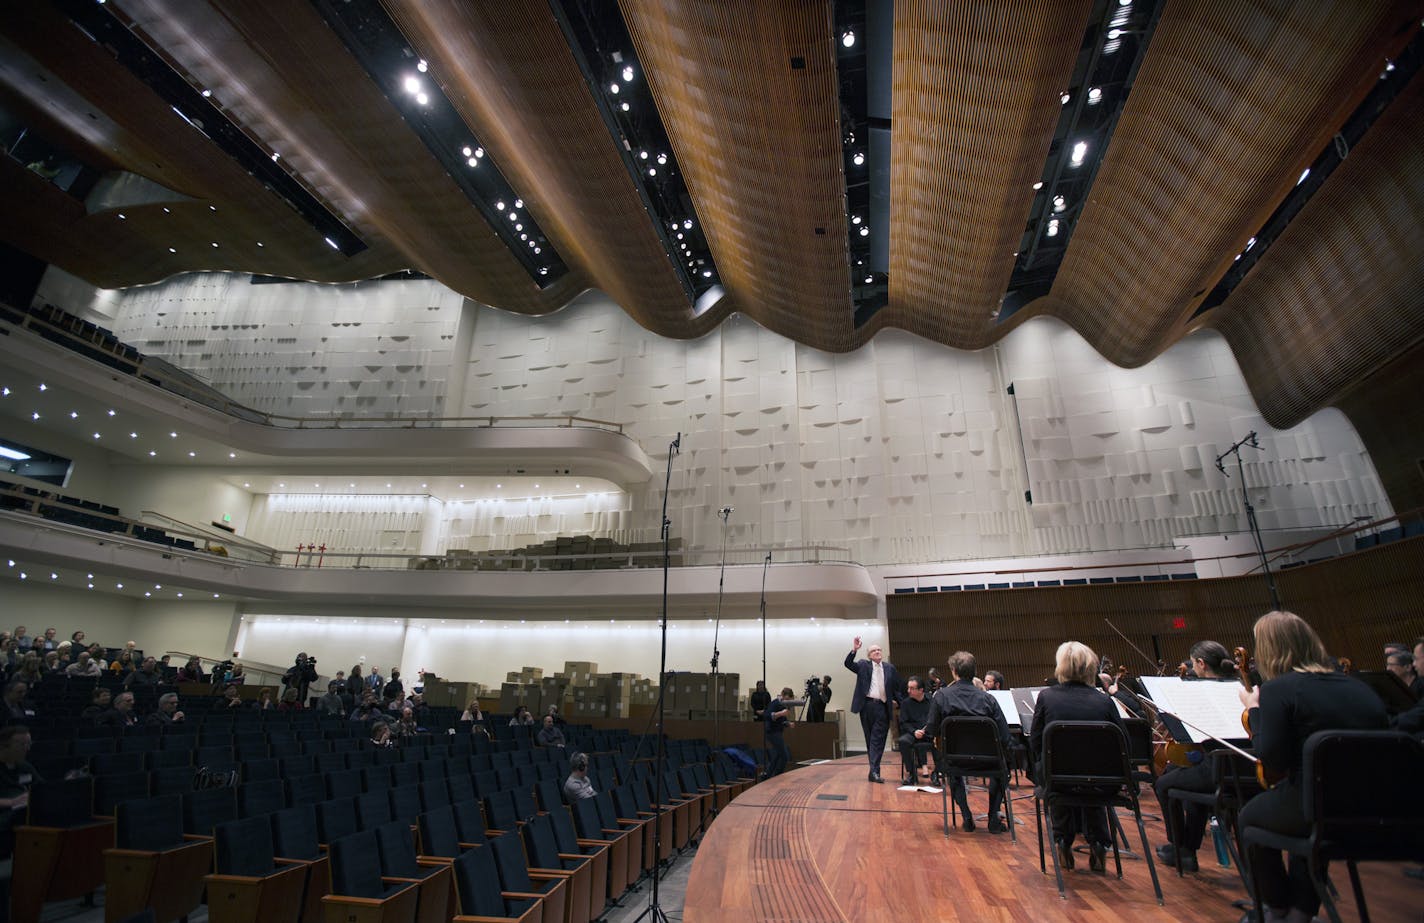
{"x": 1268, "y": 778}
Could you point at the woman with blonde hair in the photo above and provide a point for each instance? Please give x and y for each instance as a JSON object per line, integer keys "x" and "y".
{"x": 1299, "y": 695}
{"x": 1075, "y": 698}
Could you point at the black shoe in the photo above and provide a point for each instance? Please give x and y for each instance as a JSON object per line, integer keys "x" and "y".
{"x": 1065, "y": 855}
{"x": 996, "y": 824}
{"x": 875, "y": 777}
{"x": 1097, "y": 857}
{"x": 968, "y": 822}
{"x": 1168, "y": 854}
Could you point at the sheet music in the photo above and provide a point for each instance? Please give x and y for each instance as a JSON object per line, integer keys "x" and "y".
{"x": 1214, "y": 707}
{"x": 1005, "y": 698}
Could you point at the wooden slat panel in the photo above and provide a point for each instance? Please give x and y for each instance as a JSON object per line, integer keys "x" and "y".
{"x": 1230, "y": 104}
{"x": 1389, "y": 417}
{"x": 508, "y": 70}
{"x": 976, "y": 100}
{"x": 759, "y": 147}
{"x": 1342, "y": 289}
{"x": 1356, "y": 602}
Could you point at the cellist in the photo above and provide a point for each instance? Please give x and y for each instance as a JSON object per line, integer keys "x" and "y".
{"x": 1298, "y": 696}
{"x": 1209, "y": 660}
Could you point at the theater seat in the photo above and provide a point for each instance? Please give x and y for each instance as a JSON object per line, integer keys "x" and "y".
{"x": 59, "y": 854}
{"x": 480, "y": 897}
{"x": 358, "y": 892}
{"x": 250, "y": 885}
{"x": 294, "y": 840}
{"x": 154, "y": 864}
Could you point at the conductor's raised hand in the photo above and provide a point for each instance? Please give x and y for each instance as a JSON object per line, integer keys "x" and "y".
{"x": 855, "y": 645}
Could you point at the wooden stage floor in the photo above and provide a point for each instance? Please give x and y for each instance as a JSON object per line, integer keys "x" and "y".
{"x": 821, "y": 844}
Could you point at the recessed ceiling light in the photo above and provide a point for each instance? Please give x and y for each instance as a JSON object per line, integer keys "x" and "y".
{"x": 848, "y": 39}
{"x": 627, "y": 74}
{"x": 1064, "y": 97}
{"x": 35, "y": 415}
{"x": 44, "y": 387}
{"x": 171, "y": 250}
{"x": 151, "y": 453}
{"x": 246, "y": 484}
{"x": 613, "y": 88}
{"x": 192, "y": 454}
{"x": 74, "y": 415}
{"x": 624, "y": 106}
{"x": 411, "y": 85}
{"x": 172, "y": 435}
{"x": 96, "y": 435}
{"x": 858, "y": 159}
{"x": 112, "y": 412}
{"x": 865, "y": 232}
{"x": 422, "y": 65}
{"x": 232, "y": 455}
{"x": 118, "y": 586}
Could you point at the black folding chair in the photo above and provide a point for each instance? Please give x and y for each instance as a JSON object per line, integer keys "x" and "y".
{"x": 971, "y": 747}
{"x": 1085, "y": 765}
{"x": 1361, "y": 794}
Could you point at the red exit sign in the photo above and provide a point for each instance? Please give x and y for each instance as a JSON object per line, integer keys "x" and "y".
{"x": 1179, "y": 623}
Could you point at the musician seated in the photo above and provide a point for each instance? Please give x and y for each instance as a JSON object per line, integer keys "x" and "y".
{"x": 1209, "y": 661}
{"x": 962, "y": 697}
{"x": 914, "y": 712}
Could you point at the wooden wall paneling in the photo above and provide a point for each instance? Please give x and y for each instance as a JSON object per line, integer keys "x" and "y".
{"x": 1357, "y": 602}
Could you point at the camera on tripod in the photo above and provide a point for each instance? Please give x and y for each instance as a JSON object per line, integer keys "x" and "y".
{"x": 813, "y": 688}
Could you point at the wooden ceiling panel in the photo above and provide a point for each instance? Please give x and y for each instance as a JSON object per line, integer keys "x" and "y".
{"x": 516, "y": 83}
{"x": 1232, "y": 101}
{"x": 1341, "y": 291}
{"x": 300, "y": 92}
{"x": 759, "y": 146}
{"x": 976, "y": 100}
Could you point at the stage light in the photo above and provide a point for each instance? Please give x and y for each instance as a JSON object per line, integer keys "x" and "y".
{"x": 858, "y": 159}
{"x": 627, "y": 74}
{"x": 412, "y": 85}
{"x": 848, "y": 39}
{"x": 1080, "y": 150}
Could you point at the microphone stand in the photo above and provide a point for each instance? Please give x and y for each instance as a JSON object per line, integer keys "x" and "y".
{"x": 725, "y": 513}
{"x": 1250, "y": 440}
{"x": 655, "y": 910}
{"x": 764, "y": 565}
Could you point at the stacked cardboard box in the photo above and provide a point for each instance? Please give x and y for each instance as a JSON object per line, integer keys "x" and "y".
{"x": 525, "y": 675}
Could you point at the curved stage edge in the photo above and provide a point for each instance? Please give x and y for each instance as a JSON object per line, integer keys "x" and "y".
{"x": 821, "y": 844}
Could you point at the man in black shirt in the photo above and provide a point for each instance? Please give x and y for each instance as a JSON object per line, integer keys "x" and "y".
{"x": 122, "y": 714}
{"x": 778, "y": 719}
{"x": 914, "y": 713}
{"x": 962, "y": 697}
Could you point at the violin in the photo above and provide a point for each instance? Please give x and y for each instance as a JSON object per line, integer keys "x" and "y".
{"x": 1266, "y": 777}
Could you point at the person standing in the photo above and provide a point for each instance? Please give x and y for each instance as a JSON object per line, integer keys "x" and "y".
{"x": 778, "y": 719}
{"x": 759, "y": 700}
{"x": 876, "y": 685}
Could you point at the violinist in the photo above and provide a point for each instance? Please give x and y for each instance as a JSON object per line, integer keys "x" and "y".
{"x": 1299, "y": 695}
{"x": 1208, "y": 660}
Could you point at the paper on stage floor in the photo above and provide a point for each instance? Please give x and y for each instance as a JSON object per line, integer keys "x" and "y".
{"x": 919, "y": 788}
{"x": 1214, "y": 707}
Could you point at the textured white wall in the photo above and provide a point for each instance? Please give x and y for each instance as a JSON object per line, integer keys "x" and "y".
{"x": 368, "y": 349}
{"x": 903, "y": 451}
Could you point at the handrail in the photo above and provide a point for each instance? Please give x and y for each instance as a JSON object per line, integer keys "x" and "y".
{"x": 147, "y": 369}
{"x": 227, "y": 539}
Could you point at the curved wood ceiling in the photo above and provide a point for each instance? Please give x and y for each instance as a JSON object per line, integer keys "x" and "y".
{"x": 1230, "y": 103}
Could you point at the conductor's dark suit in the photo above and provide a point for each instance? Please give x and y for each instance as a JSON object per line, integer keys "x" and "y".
{"x": 874, "y": 713}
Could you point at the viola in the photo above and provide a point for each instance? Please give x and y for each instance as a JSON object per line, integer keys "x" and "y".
{"x": 1267, "y": 777}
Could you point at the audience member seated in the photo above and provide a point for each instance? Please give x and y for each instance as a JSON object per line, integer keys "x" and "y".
{"x": 21, "y": 638}
{"x": 577, "y": 785}
{"x": 52, "y": 664}
{"x": 98, "y": 705}
{"x": 332, "y": 703}
{"x": 549, "y": 735}
{"x": 14, "y": 710}
{"x": 381, "y": 735}
{"x": 47, "y": 643}
{"x": 85, "y": 665}
{"x": 264, "y": 701}
{"x": 230, "y": 700}
{"x": 368, "y": 710}
{"x": 521, "y": 717}
{"x": 96, "y": 654}
{"x": 30, "y": 670}
{"x": 167, "y": 713}
{"x": 191, "y": 672}
{"x": 289, "y": 702}
{"x": 407, "y": 726}
{"x": 122, "y": 714}
{"x": 146, "y": 675}
{"x": 123, "y": 664}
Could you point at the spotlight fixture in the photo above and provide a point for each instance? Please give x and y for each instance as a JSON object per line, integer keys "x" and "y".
{"x": 848, "y": 39}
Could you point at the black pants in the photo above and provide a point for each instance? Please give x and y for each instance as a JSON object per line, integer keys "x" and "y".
{"x": 913, "y": 752}
{"x": 960, "y": 796}
{"x": 1189, "y": 818}
{"x": 1281, "y": 809}
{"x": 875, "y": 722}
{"x": 780, "y": 754}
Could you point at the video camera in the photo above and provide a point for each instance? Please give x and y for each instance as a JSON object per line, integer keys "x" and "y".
{"x": 813, "y": 688}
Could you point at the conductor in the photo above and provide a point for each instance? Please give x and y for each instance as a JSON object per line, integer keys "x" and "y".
{"x": 876, "y": 686}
